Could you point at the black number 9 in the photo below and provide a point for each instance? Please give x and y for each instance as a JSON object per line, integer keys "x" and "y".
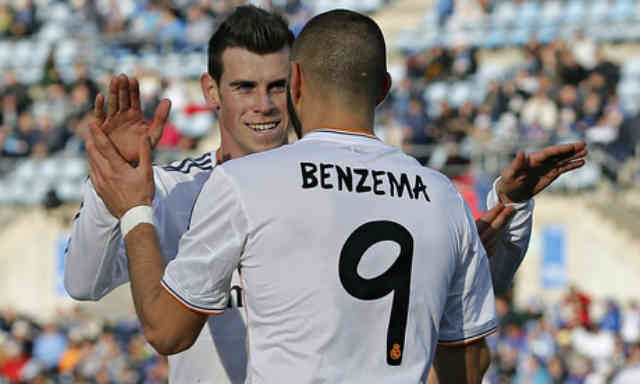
{"x": 396, "y": 279}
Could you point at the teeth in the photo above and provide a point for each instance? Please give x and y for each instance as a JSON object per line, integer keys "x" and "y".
{"x": 262, "y": 127}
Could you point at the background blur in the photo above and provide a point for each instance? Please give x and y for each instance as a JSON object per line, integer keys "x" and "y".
{"x": 474, "y": 80}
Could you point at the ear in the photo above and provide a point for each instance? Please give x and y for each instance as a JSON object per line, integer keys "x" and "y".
{"x": 296, "y": 82}
{"x": 210, "y": 90}
{"x": 385, "y": 89}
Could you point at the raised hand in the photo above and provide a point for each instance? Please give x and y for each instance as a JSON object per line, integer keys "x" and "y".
{"x": 120, "y": 185}
{"x": 123, "y": 122}
{"x": 529, "y": 174}
{"x": 491, "y": 224}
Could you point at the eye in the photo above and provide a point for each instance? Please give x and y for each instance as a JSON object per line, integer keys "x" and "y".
{"x": 278, "y": 86}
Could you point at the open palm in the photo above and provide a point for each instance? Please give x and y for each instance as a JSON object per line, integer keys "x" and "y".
{"x": 123, "y": 122}
{"x": 529, "y": 174}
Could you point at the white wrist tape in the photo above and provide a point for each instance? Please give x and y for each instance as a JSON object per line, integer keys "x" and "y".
{"x": 134, "y": 216}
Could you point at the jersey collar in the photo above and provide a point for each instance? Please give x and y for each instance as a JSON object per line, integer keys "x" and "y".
{"x": 334, "y": 132}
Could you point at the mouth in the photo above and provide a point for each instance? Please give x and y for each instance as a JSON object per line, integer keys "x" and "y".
{"x": 263, "y": 127}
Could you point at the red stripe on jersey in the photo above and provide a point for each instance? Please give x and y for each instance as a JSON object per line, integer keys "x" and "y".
{"x": 468, "y": 341}
{"x": 187, "y": 306}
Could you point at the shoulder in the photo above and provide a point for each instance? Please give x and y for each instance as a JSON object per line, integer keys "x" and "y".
{"x": 188, "y": 165}
{"x": 257, "y": 161}
{"x": 188, "y": 171}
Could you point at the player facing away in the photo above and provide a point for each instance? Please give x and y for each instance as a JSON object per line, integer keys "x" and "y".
{"x": 328, "y": 234}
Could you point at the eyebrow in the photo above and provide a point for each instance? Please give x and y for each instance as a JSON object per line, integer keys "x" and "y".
{"x": 242, "y": 83}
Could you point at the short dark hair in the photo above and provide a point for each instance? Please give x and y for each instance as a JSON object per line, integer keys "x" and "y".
{"x": 248, "y": 27}
{"x": 345, "y": 50}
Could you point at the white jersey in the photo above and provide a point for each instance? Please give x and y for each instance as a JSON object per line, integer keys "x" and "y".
{"x": 355, "y": 261}
{"x": 96, "y": 264}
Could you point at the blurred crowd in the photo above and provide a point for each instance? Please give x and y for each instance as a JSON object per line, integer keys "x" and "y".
{"x": 42, "y": 117}
{"x": 561, "y": 91}
{"x": 577, "y": 340}
{"x": 73, "y": 347}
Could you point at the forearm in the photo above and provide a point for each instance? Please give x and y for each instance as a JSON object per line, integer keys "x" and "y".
{"x": 156, "y": 310}
{"x": 460, "y": 365}
{"x": 95, "y": 262}
{"x": 512, "y": 244}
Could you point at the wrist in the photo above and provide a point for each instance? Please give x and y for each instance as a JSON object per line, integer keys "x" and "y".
{"x": 502, "y": 195}
{"x": 135, "y": 216}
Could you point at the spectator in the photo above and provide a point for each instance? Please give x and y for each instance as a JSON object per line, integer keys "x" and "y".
{"x": 631, "y": 372}
{"x": 49, "y": 346}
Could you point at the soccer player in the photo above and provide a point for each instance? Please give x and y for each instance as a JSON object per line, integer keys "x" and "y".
{"x": 298, "y": 221}
{"x": 245, "y": 84}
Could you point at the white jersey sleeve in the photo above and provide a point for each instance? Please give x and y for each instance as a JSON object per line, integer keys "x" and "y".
{"x": 513, "y": 244}
{"x": 213, "y": 243}
{"x": 469, "y": 312}
{"x": 96, "y": 261}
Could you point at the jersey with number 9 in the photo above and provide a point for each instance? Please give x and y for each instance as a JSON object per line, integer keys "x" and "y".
{"x": 356, "y": 261}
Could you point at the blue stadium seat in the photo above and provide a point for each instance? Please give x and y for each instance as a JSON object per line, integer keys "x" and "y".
{"x": 6, "y": 196}
{"x": 435, "y": 92}
{"x": 623, "y": 10}
{"x": 69, "y": 191}
{"x": 547, "y": 34}
{"x": 459, "y": 93}
{"x": 66, "y": 52}
{"x": 551, "y": 13}
{"x": 6, "y": 47}
{"x": 575, "y": 12}
{"x": 73, "y": 168}
{"x": 497, "y": 37}
{"x": 528, "y": 14}
{"x": 631, "y": 69}
{"x": 520, "y": 35}
{"x": 504, "y": 14}
{"x": 599, "y": 11}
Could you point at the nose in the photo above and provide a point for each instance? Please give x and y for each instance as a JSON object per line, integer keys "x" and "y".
{"x": 264, "y": 103}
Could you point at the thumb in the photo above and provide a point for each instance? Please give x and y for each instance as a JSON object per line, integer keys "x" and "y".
{"x": 520, "y": 162}
{"x": 517, "y": 165}
{"x": 159, "y": 120}
{"x": 144, "y": 152}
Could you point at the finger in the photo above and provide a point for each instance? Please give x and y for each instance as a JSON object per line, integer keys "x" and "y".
{"x": 571, "y": 166}
{"x": 483, "y": 222}
{"x": 144, "y": 153}
{"x": 557, "y": 152}
{"x": 123, "y": 93}
{"x": 500, "y": 221}
{"x": 107, "y": 149}
{"x": 112, "y": 100}
{"x": 97, "y": 161}
{"x": 134, "y": 93}
{"x": 580, "y": 154}
{"x": 518, "y": 164}
{"x": 98, "y": 109}
{"x": 159, "y": 120}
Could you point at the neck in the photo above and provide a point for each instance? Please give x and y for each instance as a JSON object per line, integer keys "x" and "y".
{"x": 335, "y": 114}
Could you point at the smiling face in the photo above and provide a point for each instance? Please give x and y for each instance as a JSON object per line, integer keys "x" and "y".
{"x": 251, "y": 100}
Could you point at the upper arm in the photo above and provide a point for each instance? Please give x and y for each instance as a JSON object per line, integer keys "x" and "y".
{"x": 200, "y": 275}
{"x": 461, "y": 364}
